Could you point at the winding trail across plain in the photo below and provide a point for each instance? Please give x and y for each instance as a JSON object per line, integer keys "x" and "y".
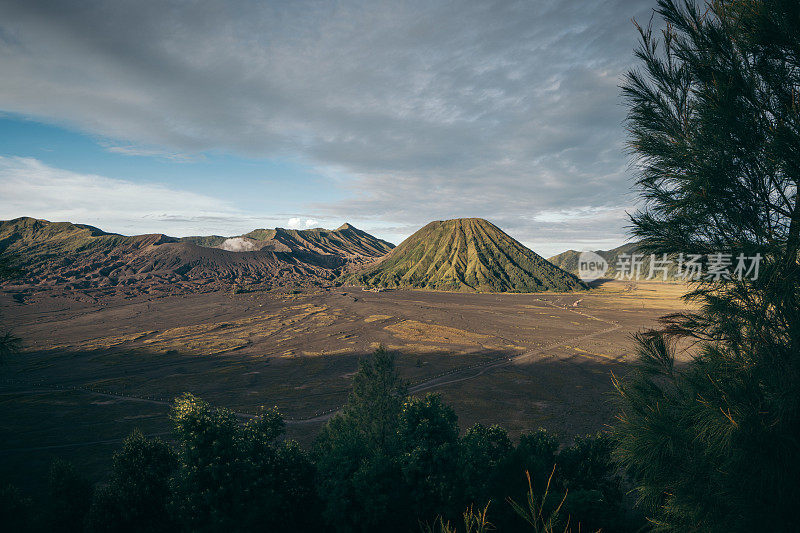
{"x": 471, "y": 373}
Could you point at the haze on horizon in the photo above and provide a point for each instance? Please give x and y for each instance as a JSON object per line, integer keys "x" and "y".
{"x": 147, "y": 116}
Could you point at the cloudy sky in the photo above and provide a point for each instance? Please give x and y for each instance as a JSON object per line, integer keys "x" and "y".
{"x": 221, "y": 116}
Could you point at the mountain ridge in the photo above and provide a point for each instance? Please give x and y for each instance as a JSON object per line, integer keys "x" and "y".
{"x": 77, "y": 257}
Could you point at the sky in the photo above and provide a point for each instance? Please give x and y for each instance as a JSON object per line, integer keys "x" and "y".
{"x": 221, "y": 116}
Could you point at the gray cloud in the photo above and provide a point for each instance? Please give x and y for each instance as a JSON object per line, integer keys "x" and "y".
{"x": 429, "y": 110}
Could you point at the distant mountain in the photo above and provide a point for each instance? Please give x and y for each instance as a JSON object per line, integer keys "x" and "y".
{"x": 62, "y": 255}
{"x": 465, "y": 254}
{"x": 569, "y": 261}
{"x": 345, "y": 241}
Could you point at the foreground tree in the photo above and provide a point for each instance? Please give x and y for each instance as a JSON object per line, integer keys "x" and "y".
{"x": 138, "y": 493}
{"x": 239, "y": 477}
{"x": 16, "y": 510}
{"x": 714, "y": 124}
{"x": 356, "y": 452}
{"x": 428, "y": 434}
{"x": 69, "y": 495}
{"x": 483, "y": 452}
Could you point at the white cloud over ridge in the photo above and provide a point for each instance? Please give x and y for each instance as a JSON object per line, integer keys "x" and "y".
{"x": 300, "y": 223}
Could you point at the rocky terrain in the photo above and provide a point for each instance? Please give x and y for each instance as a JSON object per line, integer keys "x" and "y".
{"x": 345, "y": 241}
{"x": 66, "y": 257}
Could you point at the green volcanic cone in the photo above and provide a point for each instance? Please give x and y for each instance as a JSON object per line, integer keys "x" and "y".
{"x": 465, "y": 254}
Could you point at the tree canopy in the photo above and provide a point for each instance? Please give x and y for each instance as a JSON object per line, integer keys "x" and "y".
{"x": 714, "y": 123}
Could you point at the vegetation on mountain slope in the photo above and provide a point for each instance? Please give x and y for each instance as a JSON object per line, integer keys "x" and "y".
{"x": 36, "y": 241}
{"x": 466, "y": 254}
